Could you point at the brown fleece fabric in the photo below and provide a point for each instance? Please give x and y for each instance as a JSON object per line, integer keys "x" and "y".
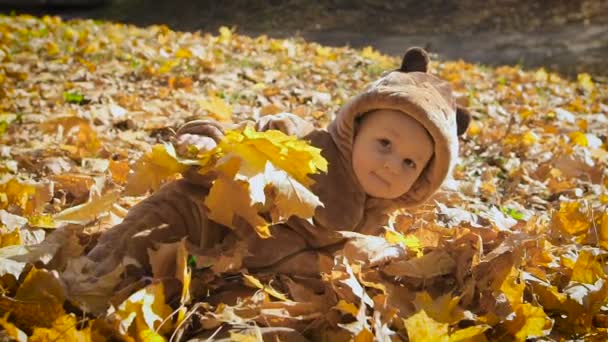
{"x": 297, "y": 246}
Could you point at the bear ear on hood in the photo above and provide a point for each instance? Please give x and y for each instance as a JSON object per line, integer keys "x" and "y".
{"x": 463, "y": 119}
{"x": 415, "y": 59}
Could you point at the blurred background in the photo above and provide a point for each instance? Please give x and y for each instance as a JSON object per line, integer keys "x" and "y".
{"x": 567, "y": 36}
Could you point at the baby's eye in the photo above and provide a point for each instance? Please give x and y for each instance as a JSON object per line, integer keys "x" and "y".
{"x": 385, "y": 143}
{"x": 409, "y": 163}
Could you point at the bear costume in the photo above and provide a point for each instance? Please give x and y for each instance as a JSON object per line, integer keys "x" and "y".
{"x": 298, "y": 246}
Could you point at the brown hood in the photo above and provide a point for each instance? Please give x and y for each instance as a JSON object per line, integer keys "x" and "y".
{"x": 422, "y": 96}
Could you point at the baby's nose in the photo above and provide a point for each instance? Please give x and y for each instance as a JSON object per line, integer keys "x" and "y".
{"x": 392, "y": 164}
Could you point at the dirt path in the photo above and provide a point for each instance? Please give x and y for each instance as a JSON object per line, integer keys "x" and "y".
{"x": 565, "y": 36}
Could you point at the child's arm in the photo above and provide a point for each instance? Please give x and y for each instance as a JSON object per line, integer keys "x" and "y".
{"x": 205, "y": 134}
{"x": 174, "y": 212}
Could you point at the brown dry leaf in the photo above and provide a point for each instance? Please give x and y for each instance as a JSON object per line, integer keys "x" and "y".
{"x": 80, "y": 138}
{"x": 13, "y": 259}
{"x": 370, "y": 250}
{"x": 433, "y": 264}
{"x": 170, "y": 260}
{"x": 89, "y": 292}
{"x": 79, "y": 186}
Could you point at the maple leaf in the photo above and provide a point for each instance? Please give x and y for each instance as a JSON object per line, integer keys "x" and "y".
{"x": 38, "y": 301}
{"x": 89, "y": 211}
{"x": 529, "y": 321}
{"x": 28, "y": 196}
{"x": 153, "y": 169}
{"x": 64, "y": 328}
{"x": 240, "y": 204}
{"x": 13, "y": 259}
{"x": 89, "y": 293}
{"x": 254, "y": 164}
{"x": 421, "y": 327}
{"x": 286, "y": 197}
{"x": 254, "y": 282}
{"x": 430, "y": 265}
{"x": 217, "y": 108}
{"x": 586, "y": 269}
{"x": 442, "y": 309}
{"x": 11, "y": 330}
{"x": 143, "y": 314}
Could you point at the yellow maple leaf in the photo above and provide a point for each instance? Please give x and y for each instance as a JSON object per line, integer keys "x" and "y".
{"x": 11, "y": 330}
{"x": 143, "y": 314}
{"x": 256, "y": 283}
{"x": 603, "y": 231}
{"x": 383, "y": 61}
{"x": 410, "y": 242}
{"x": 81, "y": 139}
{"x": 288, "y": 153}
{"x": 38, "y": 301}
{"x": 442, "y": 309}
{"x": 253, "y": 166}
{"x": 240, "y": 204}
{"x": 587, "y": 270}
{"x": 252, "y": 337}
{"x": 422, "y": 328}
{"x": 225, "y": 35}
{"x": 529, "y": 321}
{"x": 42, "y": 221}
{"x": 9, "y": 238}
{"x": 287, "y": 197}
{"x": 364, "y": 336}
{"x": 217, "y": 108}
{"x": 183, "y": 53}
{"x": 513, "y": 287}
{"x": 470, "y": 334}
{"x": 585, "y": 81}
{"x": 347, "y": 307}
{"x": 153, "y": 169}
{"x": 579, "y": 138}
{"x": 64, "y": 328}
{"x": 168, "y": 66}
{"x": 549, "y": 296}
{"x": 570, "y": 219}
{"x": 17, "y": 193}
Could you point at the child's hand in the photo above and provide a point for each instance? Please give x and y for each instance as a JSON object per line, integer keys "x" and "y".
{"x": 201, "y": 135}
{"x": 287, "y": 123}
{"x": 185, "y": 143}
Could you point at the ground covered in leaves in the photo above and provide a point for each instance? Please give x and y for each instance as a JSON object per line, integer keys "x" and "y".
{"x": 514, "y": 248}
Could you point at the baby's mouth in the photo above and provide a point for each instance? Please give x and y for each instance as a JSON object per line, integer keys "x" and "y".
{"x": 385, "y": 182}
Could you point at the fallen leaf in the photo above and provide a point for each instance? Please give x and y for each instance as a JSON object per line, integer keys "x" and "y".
{"x": 421, "y": 327}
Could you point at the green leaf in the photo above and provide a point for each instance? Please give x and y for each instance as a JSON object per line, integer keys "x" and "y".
{"x": 516, "y": 214}
{"x": 73, "y": 97}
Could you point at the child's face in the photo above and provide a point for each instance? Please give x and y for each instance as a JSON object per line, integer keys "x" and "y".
{"x": 390, "y": 151}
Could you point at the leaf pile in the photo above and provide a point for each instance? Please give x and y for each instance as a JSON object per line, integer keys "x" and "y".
{"x": 514, "y": 248}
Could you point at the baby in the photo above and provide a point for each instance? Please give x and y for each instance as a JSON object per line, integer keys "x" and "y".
{"x": 390, "y": 147}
